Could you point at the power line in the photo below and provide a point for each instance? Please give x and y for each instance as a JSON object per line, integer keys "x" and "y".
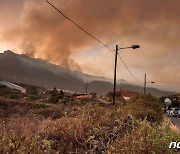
{"x": 129, "y": 70}
{"x": 78, "y": 26}
{"x": 91, "y": 37}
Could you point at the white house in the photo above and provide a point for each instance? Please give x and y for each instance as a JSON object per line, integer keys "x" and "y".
{"x": 13, "y": 86}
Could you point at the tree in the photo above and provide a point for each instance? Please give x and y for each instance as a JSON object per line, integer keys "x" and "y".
{"x": 32, "y": 90}
{"x": 94, "y": 95}
{"x": 61, "y": 94}
{"x": 55, "y": 95}
{"x": 145, "y": 106}
{"x": 174, "y": 98}
{"x": 175, "y": 101}
{"x": 109, "y": 94}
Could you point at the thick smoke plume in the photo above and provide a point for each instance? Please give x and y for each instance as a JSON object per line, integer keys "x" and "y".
{"x": 46, "y": 34}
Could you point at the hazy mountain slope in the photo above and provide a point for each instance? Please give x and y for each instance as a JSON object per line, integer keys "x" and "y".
{"x": 23, "y": 69}
{"x": 20, "y": 68}
{"x": 102, "y": 87}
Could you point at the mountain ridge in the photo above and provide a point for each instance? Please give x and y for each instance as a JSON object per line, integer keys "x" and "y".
{"x": 20, "y": 68}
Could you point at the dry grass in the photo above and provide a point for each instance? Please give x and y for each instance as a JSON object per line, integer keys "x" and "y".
{"x": 79, "y": 128}
{"x": 175, "y": 128}
{"x": 9, "y": 107}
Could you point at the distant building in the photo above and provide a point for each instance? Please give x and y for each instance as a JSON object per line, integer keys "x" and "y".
{"x": 126, "y": 94}
{"x": 84, "y": 97}
{"x": 13, "y": 86}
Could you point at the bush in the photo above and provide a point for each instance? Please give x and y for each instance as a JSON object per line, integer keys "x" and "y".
{"x": 89, "y": 128}
{"x": 145, "y": 138}
{"x": 32, "y": 90}
{"x": 64, "y": 101}
{"x": 32, "y": 98}
{"x": 55, "y": 96}
{"x": 174, "y": 98}
{"x": 15, "y": 96}
{"x": 145, "y": 106}
{"x": 22, "y": 135}
{"x": 94, "y": 95}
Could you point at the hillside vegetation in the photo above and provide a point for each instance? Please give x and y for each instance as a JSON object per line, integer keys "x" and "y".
{"x": 134, "y": 127}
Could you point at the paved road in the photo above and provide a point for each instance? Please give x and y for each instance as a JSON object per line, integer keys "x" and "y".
{"x": 174, "y": 120}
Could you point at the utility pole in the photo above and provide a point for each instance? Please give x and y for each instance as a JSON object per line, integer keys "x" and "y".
{"x": 133, "y": 47}
{"x": 145, "y": 84}
{"x": 114, "y": 92}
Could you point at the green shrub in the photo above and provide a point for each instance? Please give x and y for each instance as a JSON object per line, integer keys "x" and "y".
{"x": 145, "y": 138}
{"x": 15, "y": 96}
{"x": 32, "y": 90}
{"x": 32, "y": 98}
{"x": 174, "y": 98}
{"x": 145, "y": 106}
{"x": 55, "y": 95}
{"x": 94, "y": 95}
{"x": 5, "y": 91}
{"x": 64, "y": 101}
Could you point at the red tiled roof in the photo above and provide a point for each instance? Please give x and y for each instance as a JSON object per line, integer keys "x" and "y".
{"x": 127, "y": 93}
{"x": 84, "y": 97}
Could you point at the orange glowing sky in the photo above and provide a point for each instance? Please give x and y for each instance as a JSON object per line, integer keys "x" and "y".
{"x": 34, "y": 28}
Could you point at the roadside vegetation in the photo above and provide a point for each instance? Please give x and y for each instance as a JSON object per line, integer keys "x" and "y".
{"x": 145, "y": 107}
{"x": 174, "y": 98}
{"x": 135, "y": 126}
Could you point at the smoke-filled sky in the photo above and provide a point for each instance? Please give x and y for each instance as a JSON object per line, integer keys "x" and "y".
{"x": 36, "y": 29}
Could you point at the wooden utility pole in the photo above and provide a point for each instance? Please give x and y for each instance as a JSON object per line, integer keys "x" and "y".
{"x": 144, "y": 84}
{"x": 114, "y": 92}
